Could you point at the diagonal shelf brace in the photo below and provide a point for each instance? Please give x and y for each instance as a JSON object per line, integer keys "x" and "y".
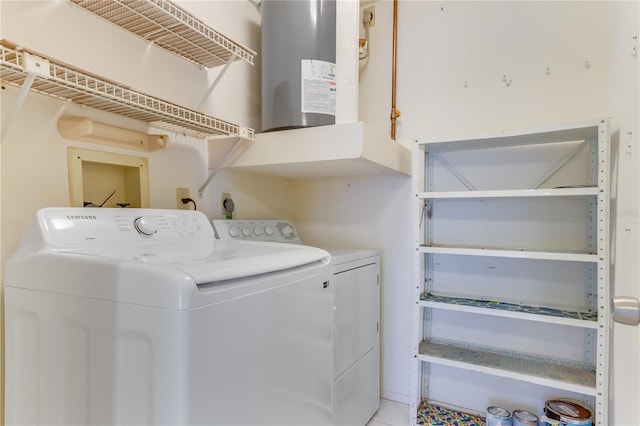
{"x": 33, "y": 67}
{"x": 217, "y": 80}
{"x": 564, "y": 160}
{"x": 24, "y": 90}
{"x": 454, "y": 172}
{"x": 219, "y": 166}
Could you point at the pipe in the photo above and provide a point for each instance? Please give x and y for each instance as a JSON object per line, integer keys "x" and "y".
{"x": 363, "y": 48}
{"x": 395, "y": 113}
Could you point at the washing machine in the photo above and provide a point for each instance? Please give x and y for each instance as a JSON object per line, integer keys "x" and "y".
{"x": 142, "y": 317}
{"x": 356, "y": 323}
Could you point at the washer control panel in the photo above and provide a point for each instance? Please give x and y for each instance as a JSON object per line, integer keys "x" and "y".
{"x": 77, "y": 227}
{"x": 275, "y": 231}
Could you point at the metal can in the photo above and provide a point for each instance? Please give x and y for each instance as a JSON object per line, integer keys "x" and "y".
{"x": 498, "y": 416}
{"x": 568, "y": 412}
{"x": 524, "y": 418}
{"x": 546, "y": 421}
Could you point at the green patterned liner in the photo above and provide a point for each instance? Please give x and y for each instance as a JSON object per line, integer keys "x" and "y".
{"x": 489, "y": 304}
{"x": 435, "y": 415}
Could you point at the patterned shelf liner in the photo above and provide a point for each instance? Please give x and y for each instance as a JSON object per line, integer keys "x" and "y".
{"x": 489, "y": 304}
{"x": 435, "y": 415}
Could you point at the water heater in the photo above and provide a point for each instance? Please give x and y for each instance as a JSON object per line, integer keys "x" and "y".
{"x": 298, "y": 63}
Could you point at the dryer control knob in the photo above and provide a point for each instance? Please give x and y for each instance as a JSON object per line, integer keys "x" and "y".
{"x": 234, "y": 232}
{"x": 145, "y": 225}
{"x": 246, "y": 231}
{"x": 268, "y": 231}
{"x": 257, "y": 231}
{"x": 287, "y": 231}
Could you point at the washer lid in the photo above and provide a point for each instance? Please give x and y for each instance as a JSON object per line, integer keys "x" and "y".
{"x": 180, "y": 239}
{"x": 210, "y": 260}
{"x": 230, "y": 260}
{"x": 100, "y": 254}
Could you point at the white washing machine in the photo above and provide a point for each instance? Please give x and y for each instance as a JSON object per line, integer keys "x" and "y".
{"x": 356, "y": 340}
{"x": 142, "y": 317}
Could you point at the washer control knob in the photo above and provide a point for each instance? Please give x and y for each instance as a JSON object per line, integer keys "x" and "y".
{"x": 234, "y": 232}
{"x": 287, "y": 231}
{"x": 145, "y": 225}
{"x": 257, "y": 231}
{"x": 268, "y": 231}
{"x": 246, "y": 231}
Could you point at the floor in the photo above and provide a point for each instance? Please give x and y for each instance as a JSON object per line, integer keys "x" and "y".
{"x": 390, "y": 413}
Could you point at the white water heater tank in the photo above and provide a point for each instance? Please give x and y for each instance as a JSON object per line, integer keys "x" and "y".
{"x": 298, "y": 63}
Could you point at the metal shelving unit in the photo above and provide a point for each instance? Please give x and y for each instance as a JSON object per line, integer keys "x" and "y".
{"x": 38, "y": 73}
{"x": 170, "y": 27}
{"x": 473, "y": 262}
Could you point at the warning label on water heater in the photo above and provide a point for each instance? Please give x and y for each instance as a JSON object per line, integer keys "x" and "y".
{"x": 318, "y": 87}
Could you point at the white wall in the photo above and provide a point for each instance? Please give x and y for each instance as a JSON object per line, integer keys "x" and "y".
{"x": 370, "y": 212}
{"x": 452, "y": 57}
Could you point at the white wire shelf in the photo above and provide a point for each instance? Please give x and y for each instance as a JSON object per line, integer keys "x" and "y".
{"x": 62, "y": 81}
{"x": 170, "y": 27}
{"x": 561, "y": 374}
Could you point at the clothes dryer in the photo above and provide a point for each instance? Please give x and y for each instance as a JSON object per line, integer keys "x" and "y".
{"x": 356, "y": 321}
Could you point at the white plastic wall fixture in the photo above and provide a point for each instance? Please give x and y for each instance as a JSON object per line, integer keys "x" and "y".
{"x": 85, "y": 129}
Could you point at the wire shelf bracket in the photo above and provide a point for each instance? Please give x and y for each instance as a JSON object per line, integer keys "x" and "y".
{"x": 216, "y": 81}
{"x": 214, "y": 172}
{"x": 11, "y": 116}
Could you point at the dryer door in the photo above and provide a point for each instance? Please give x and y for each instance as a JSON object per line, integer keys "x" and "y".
{"x": 356, "y": 348}
{"x": 356, "y": 315}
